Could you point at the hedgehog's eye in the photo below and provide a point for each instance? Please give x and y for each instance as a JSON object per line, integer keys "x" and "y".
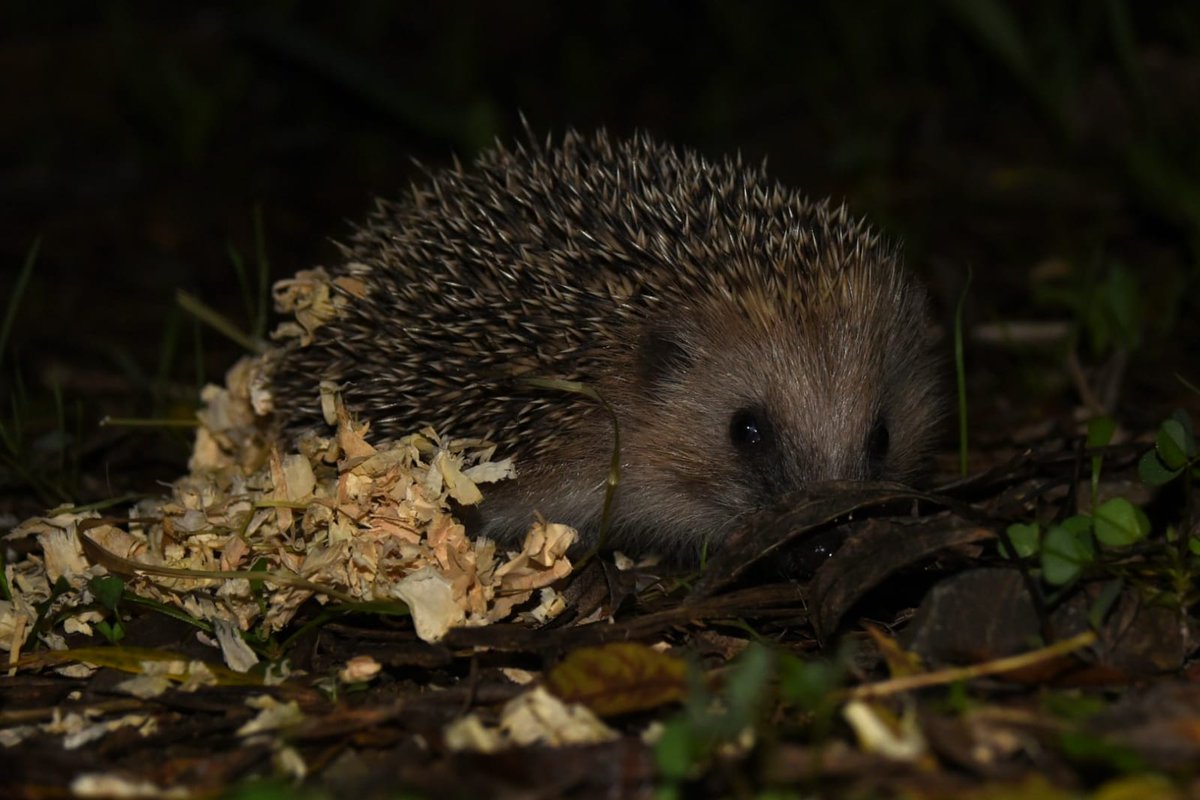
{"x": 877, "y": 446}
{"x": 757, "y": 443}
{"x": 748, "y": 429}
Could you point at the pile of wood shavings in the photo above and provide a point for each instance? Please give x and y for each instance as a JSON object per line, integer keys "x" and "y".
{"x": 341, "y": 519}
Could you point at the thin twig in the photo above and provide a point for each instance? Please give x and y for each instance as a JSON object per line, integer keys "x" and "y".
{"x": 939, "y": 677}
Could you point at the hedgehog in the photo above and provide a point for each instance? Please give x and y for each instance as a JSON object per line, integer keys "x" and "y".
{"x": 748, "y": 341}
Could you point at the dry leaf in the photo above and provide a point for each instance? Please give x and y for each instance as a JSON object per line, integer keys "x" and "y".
{"x": 619, "y": 678}
{"x": 538, "y": 717}
{"x": 359, "y": 669}
{"x": 376, "y": 528}
{"x": 430, "y": 598}
{"x": 879, "y": 731}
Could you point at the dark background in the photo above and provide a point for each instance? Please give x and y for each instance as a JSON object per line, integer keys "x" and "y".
{"x": 1052, "y": 148}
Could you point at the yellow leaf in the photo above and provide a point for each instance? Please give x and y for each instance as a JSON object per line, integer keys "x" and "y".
{"x": 133, "y": 660}
{"x": 619, "y": 678}
{"x": 1138, "y": 787}
{"x": 900, "y": 662}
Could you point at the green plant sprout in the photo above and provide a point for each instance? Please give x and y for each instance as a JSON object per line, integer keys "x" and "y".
{"x": 1099, "y": 434}
{"x": 1065, "y": 550}
{"x": 1174, "y": 452}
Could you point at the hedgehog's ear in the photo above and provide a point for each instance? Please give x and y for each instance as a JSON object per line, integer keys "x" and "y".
{"x": 662, "y": 356}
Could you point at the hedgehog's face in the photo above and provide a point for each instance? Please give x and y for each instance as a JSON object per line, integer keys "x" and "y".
{"x": 738, "y": 410}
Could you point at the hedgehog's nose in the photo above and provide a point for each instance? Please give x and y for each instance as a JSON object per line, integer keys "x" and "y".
{"x": 841, "y": 464}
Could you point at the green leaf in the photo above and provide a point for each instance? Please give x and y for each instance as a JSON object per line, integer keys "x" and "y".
{"x": 1064, "y": 554}
{"x": 1181, "y": 416}
{"x": 1078, "y": 524}
{"x": 1153, "y": 472}
{"x": 1100, "y": 431}
{"x": 1072, "y": 707}
{"x": 676, "y": 749}
{"x": 1118, "y": 523}
{"x": 112, "y": 633}
{"x": 746, "y": 687}
{"x": 108, "y": 590}
{"x": 1088, "y": 748}
{"x": 1172, "y": 444}
{"x": 808, "y": 684}
{"x": 1025, "y": 538}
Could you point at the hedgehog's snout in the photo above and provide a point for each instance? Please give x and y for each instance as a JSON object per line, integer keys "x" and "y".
{"x": 777, "y": 456}
{"x": 861, "y": 451}
{"x": 788, "y": 448}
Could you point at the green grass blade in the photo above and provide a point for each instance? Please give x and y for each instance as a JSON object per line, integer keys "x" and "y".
{"x": 14, "y": 298}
